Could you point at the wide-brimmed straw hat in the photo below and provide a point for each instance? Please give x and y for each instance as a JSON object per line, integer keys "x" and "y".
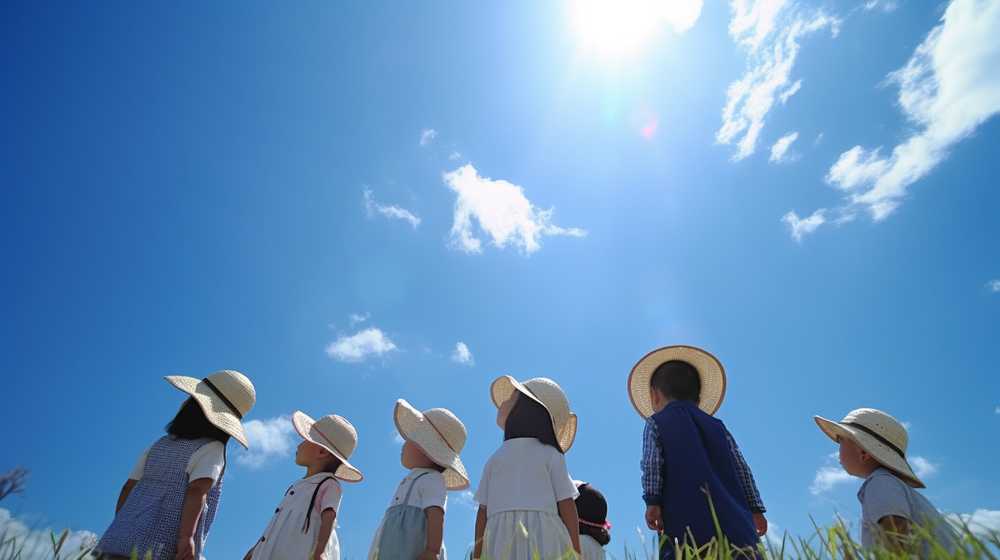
{"x": 709, "y": 368}
{"x": 547, "y": 393}
{"x": 336, "y": 435}
{"x": 440, "y": 435}
{"x": 225, "y": 397}
{"x": 878, "y": 433}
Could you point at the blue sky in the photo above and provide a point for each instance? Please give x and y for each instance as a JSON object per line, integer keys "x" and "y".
{"x": 331, "y": 199}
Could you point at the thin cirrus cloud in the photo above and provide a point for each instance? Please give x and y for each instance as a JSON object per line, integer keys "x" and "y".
{"x": 994, "y": 286}
{"x": 770, "y": 31}
{"x": 392, "y": 212}
{"x": 779, "y": 151}
{"x": 801, "y": 227}
{"x": 360, "y": 346}
{"x": 502, "y": 212}
{"x": 269, "y": 439}
{"x": 948, "y": 88}
{"x": 462, "y": 355}
{"x": 427, "y": 136}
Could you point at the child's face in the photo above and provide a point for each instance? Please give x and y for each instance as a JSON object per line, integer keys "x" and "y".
{"x": 413, "y": 457}
{"x": 309, "y": 454}
{"x": 504, "y": 411}
{"x": 856, "y": 461}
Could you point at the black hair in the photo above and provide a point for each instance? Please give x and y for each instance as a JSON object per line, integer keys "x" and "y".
{"x": 191, "y": 423}
{"x": 592, "y": 507}
{"x": 677, "y": 380}
{"x": 529, "y": 419}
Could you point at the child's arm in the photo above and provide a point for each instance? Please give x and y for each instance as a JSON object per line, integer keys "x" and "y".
{"x": 325, "y": 528}
{"x": 194, "y": 503}
{"x": 477, "y": 550}
{"x": 435, "y": 533}
{"x": 567, "y": 512}
{"x": 749, "y": 485}
{"x": 123, "y": 495}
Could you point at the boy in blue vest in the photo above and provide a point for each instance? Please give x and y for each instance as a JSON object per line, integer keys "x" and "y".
{"x": 689, "y": 456}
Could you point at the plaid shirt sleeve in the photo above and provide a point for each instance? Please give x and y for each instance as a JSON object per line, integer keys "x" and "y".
{"x": 651, "y": 464}
{"x": 746, "y": 478}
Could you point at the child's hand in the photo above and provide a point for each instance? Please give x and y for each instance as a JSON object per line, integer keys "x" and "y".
{"x": 654, "y": 518}
{"x": 427, "y": 555}
{"x": 185, "y": 549}
{"x": 760, "y": 523}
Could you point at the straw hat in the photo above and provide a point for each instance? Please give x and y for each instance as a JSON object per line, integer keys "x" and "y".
{"x": 545, "y": 392}
{"x": 225, "y": 397}
{"x": 440, "y": 435}
{"x": 336, "y": 435}
{"x": 710, "y": 370}
{"x": 878, "y": 433}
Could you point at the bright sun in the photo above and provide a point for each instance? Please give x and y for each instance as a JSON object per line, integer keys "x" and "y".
{"x": 614, "y": 29}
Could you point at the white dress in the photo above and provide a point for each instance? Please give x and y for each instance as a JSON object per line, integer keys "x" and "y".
{"x": 590, "y": 548}
{"x": 520, "y": 486}
{"x": 287, "y": 536}
{"x": 428, "y": 491}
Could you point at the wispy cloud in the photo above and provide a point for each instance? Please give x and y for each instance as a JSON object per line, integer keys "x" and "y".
{"x": 779, "y": 151}
{"x": 993, "y": 286}
{"x": 454, "y": 156}
{"x": 36, "y": 544}
{"x": 770, "y": 31}
{"x": 356, "y": 318}
{"x": 886, "y": 6}
{"x": 462, "y": 354}
{"x": 982, "y": 522}
{"x": 360, "y": 346}
{"x": 269, "y": 439}
{"x": 501, "y": 211}
{"x": 801, "y": 227}
{"x": 427, "y": 136}
{"x": 826, "y": 478}
{"x": 466, "y": 498}
{"x": 389, "y": 211}
{"x": 922, "y": 467}
{"x": 948, "y": 88}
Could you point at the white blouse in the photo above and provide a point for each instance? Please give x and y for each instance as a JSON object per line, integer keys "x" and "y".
{"x": 525, "y": 475}
{"x": 206, "y": 462}
{"x": 284, "y": 537}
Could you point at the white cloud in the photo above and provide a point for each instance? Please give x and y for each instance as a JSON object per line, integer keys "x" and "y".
{"x": 269, "y": 439}
{"x": 922, "y": 467}
{"x": 779, "y": 151}
{"x": 982, "y": 522}
{"x": 997, "y": 409}
{"x": 502, "y": 212}
{"x": 800, "y": 227}
{"x": 356, "y": 318}
{"x": 770, "y": 31}
{"x": 389, "y": 211}
{"x": 826, "y": 478}
{"x": 467, "y": 498}
{"x": 993, "y": 286}
{"x": 427, "y": 136}
{"x": 462, "y": 355}
{"x": 886, "y": 6}
{"x": 36, "y": 544}
{"x": 947, "y": 89}
{"x": 454, "y": 156}
{"x": 360, "y": 345}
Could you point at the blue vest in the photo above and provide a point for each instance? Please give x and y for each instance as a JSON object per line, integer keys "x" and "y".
{"x": 151, "y": 516}
{"x": 697, "y": 456}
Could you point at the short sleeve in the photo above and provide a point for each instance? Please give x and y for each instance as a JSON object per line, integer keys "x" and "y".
{"x": 207, "y": 461}
{"x": 431, "y": 492}
{"x": 329, "y": 496}
{"x": 139, "y": 467}
{"x": 482, "y": 496}
{"x": 562, "y": 484}
{"x": 884, "y": 496}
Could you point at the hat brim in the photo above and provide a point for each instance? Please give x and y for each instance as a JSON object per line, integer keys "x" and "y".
{"x": 709, "y": 368}
{"x": 414, "y": 427}
{"x": 303, "y": 424}
{"x": 882, "y": 453}
{"x": 216, "y": 411}
{"x": 504, "y": 386}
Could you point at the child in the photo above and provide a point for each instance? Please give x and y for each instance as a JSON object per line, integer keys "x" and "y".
{"x": 593, "y": 512}
{"x": 687, "y": 452}
{"x": 525, "y": 496}
{"x": 413, "y": 526}
{"x": 873, "y": 447}
{"x": 167, "y": 505}
{"x": 304, "y": 524}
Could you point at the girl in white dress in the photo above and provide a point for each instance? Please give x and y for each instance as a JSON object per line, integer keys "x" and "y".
{"x": 525, "y": 496}
{"x": 594, "y": 527}
{"x": 304, "y": 524}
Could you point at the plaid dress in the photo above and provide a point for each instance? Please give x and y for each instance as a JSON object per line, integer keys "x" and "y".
{"x": 151, "y": 516}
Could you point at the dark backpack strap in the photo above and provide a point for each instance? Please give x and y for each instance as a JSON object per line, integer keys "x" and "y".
{"x": 312, "y": 503}
{"x": 406, "y": 499}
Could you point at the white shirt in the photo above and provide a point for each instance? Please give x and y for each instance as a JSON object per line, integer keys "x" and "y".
{"x": 428, "y": 491}
{"x": 206, "y": 462}
{"x": 525, "y": 475}
{"x": 592, "y": 550}
{"x": 284, "y": 538}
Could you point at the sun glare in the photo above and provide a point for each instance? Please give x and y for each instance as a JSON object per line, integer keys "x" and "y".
{"x": 615, "y": 29}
